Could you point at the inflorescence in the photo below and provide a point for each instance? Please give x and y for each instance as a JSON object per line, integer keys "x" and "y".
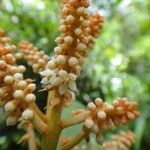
{"x": 122, "y": 141}
{"x": 78, "y": 31}
{"x": 35, "y": 58}
{"x": 16, "y": 93}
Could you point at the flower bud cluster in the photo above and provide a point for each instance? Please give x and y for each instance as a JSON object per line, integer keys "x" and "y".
{"x": 122, "y": 141}
{"x": 104, "y": 116}
{"x": 62, "y": 70}
{"x": 35, "y": 58}
{"x": 15, "y": 92}
{"x": 93, "y": 30}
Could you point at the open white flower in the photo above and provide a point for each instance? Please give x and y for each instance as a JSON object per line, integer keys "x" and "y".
{"x": 64, "y": 80}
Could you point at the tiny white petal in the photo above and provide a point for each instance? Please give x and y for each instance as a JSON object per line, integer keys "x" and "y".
{"x": 72, "y": 86}
{"x": 62, "y": 89}
{"x": 72, "y": 76}
{"x": 46, "y": 72}
{"x": 44, "y": 81}
{"x": 56, "y": 81}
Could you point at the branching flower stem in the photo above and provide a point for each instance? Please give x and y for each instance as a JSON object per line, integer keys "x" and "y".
{"x": 32, "y": 139}
{"x": 51, "y": 137}
{"x": 74, "y": 120}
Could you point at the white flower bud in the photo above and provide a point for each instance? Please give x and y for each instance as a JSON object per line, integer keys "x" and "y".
{"x": 70, "y": 19}
{"x": 91, "y": 106}
{"x": 10, "y": 107}
{"x": 77, "y": 31}
{"x": 63, "y": 28}
{"x": 60, "y": 59}
{"x": 8, "y": 79}
{"x": 98, "y": 101}
{"x": 81, "y": 47}
{"x": 27, "y": 114}
{"x": 45, "y": 81}
{"x": 80, "y": 10}
{"x": 2, "y": 64}
{"x": 18, "y": 55}
{"x": 101, "y": 115}
{"x": 85, "y": 40}
{"x": 11, "y": 120}
{"x": 59, "y": 40}
{"x": 41, "y": 62}
{"x": 18, "y": 94}
{"x": 68, "y": 39}
{"x": 18, "y": 76}
{"x": 109, "y": 107}
{"x": 22, "y": 84}
{"x": 65, "y": 10}
{"x": 89, "y": 123}
{"x": 45, "y": 57}
{"x": 21, "y": 69}
{"x": 85, "y": 23}
{"x": 51, "y": 64}
{"x": 30, "y": 98}
{"x": 73, "y": 61}
{"x": 31, "y": 86}
{"x": 115, "y": 103}
{"x": 58, "y": 50}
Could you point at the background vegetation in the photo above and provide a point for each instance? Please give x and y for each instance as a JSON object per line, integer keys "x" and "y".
{"x": 119, "y": 64}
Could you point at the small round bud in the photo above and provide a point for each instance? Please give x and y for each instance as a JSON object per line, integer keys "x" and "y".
{"x": 18, "y": 56}
{"x": 81, "y": 47}
{"x": 51, "y": 64}
{"x": 59, "y": 40}
{"x": 80, "y": 10}
{"x": 65, "y": 10}
{"x": 21, "y": 69}
{"x": 11, "y": 120}
{"x": 58, "y": 50}
{"x": 101, "y": 115}
{"x": 109, "y": 108}
{"x": 8, "y": 79}
{"x": 10, "y": 107}
{"x": 85, "y": 23}
{"x": 41, "y": 62}
{"x": 22, "y": 84}
{"x": 63, "y": 28}
{"x": 115, "y": 103}
{"x": 68, "y": 39}
{"x": 2, "y": 64}
{"x": 31, "y": 86}
{"x": 73, "y": 61}
{"x": 18, "y": 76}
{"x": 27, "y": 114}
{"x": 98, "y": 101}
{"x": 89, "y": 123}
{"x": 18, "y": 94}
{"x": 70, "y": 19}
{"x": 60, "y": 59}
{"x": 91, "y": 106}
{"x": 30, "y": 98}
{"x": 77, "y": 31}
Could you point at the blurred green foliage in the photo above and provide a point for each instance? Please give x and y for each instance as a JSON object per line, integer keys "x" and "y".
{"x": 119, "y": 64}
